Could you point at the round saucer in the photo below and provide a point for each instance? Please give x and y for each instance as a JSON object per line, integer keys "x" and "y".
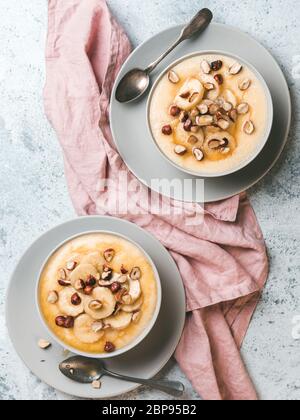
{"x": 25, "y": 327}
{"x": 133, "y": 139}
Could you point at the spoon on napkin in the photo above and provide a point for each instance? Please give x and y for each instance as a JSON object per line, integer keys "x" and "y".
{"x": 84, "y": 370}
{"x": 135, "y": 83}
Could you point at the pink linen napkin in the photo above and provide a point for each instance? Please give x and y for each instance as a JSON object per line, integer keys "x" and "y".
{"x": 222, "y": 259}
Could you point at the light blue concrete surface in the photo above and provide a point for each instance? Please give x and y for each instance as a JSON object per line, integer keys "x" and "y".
{"x": 34, "y": 196}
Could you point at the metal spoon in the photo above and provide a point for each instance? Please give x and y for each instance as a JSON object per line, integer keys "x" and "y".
{"x": 135, "y": 83}
{"x": 83, "y": 370}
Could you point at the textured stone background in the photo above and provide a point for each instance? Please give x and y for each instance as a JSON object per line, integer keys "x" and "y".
{"x": 34, "y": 196}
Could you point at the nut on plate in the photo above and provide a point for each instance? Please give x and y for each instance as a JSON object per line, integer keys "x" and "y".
{"x": 96, "y": 384}
{"x": 44, "y": 344}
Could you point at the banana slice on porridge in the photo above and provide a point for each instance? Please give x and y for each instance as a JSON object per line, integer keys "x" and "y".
{"x": 82, "y": 273}
{"x": 69, "y": 302}
{"x": 103, "y": 299}
{"x": 181, "y": 136}
{"x": 190, "y": 94}
{"x": 86, "y": 330}
{"x": 134, "y": 307}
{"x": 101, "y": 304}
{"x": 219, "y": 145}
{"x": 95, "y": 259}
{"x": 120, "y": 321}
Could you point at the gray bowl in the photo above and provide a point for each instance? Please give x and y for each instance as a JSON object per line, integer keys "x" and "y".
{"x": 270, "y": 114}
{"x": 138, "y": 339}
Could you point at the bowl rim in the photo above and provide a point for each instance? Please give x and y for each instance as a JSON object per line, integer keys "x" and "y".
{"x": 140, "y": 337}
{"x": 269, "y": 124}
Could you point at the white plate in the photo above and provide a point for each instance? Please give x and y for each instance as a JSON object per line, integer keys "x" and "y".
{"x": 129, "y": 121}
{"x": 25, "y": 327}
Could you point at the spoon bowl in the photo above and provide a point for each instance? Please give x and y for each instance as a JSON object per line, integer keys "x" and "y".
{"x": 136, "y": 82}
{"x": 85, "y": 371}
{"x": 133, "y": 85}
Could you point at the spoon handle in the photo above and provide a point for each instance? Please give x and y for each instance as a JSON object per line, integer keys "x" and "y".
{"x": 173, "y": 388}
{"x": 197, "y": 25}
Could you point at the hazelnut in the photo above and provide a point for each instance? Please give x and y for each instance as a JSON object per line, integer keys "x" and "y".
{"x": 109, "y": 347}
{"x": 216, "y": 65}
{"x": 233, "y": 114}
{"x": 188, "y": 125}
{"x": 174, "y": 111}
{"x": 60, "y": 321}
{"x": 115, "y": 287}
{"x": 184, "y": 116}
{"x": 209, "y": 86}
{"x": 75, "y": 299}
{"x": 44, "y": 344}
{"x": 96, "y": 384}
{"x": 173, "y": 77}
{"x": 79, "y": 285}
{"x": 135, "y": 273}
{"x": 91, "y": 281}
{"x": 109, "y": 255}
{"x": 64, "y": 321}
{"x": 88, "y": 290}
{"x": 248, "y": 127}
{"x": 219, "y": 79}
{"x": 123, "y": 270}
{"x": 180, "y": 150}
{"x": 198, "y": 154}
{"x": 185, "y": 95}
{"x": 167, "y": 130}
{"x": 52, "y": 297}
{"x": 62, "y": 274}
{"x": 203, "y": 108}
{"x": 192, "y": 140}
{"x": 243, "y": 108}
{"x": 107, "y": 273}
{"x": 64, "y": 283}
{"x": 71, "y": 265}
{"x": 205, "y": 67}
{"x": 236, "y": 68}
{"x": 69, "y": 322}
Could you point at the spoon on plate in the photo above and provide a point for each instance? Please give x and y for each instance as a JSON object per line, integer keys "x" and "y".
{"x": 135, "y": 83}
{"x": 85, "y": 371}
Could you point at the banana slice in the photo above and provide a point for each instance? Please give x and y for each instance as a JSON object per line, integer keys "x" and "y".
{"x": 219, "y": 145}
{"x": 103, "y": 296}
{"x": 209, "y": 80}
{"x": 183, "y": 137}
{"x": 65, "y": 305}
{"x": 84, "y": 331}
{"x": 230, "y": 97}
{"x": 190, "y": 94}
{"x": 120, "y": 321}
{"x": 135, "y": 290}
{"x": 134, "y": 307}
{"x": 82, "y": 272}
{"x": 95, "y": 259}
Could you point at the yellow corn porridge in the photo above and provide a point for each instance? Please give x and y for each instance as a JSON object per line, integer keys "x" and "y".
{"x": 208, "y": 114}
{"x": 98, "y": 293}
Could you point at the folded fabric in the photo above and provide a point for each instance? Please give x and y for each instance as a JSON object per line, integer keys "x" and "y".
{"x": 222, "y": 259}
